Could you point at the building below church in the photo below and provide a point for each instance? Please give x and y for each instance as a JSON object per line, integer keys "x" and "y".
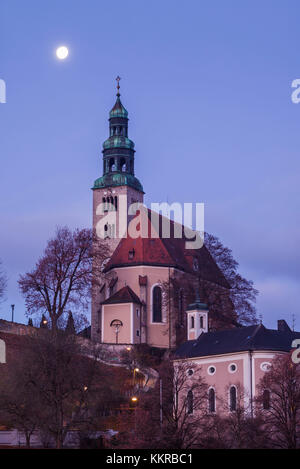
{"x": 232, "y": 362}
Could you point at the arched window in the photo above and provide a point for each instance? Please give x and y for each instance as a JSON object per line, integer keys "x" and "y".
{"x": 123, "y": 165}
{"x": 112, "y": 165}
{"x": 106, "y": 231}
{"x": 232, "y": 399}
{"x": 192, "y": 322}
{"x": 190, "y": 402}
{"x": 201, "y": 322}
{"x": 266, "y": 399}
{"x": 211, "y": 400}
{"x": 157, "y": 304}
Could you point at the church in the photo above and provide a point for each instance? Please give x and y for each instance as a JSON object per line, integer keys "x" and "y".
{"x": 151, "y": 285}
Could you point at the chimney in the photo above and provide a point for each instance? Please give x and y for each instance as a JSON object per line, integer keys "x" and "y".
{"x": 282, "y": 326}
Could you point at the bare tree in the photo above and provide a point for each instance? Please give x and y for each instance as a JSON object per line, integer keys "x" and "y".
{"x": 234, "y": 425}
{"x": 229, "y": 296}
{"x": 174, "y": 413}
{"x": 3, "y": 283}
{"x": 53, "y": 388}
{"x": 242, "y": 292}
{"x": 63, "y": 276}
{"x": 18, "y": 402}
{"x": 279, "y": 403}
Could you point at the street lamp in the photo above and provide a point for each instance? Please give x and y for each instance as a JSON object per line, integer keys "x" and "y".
{"x": 12, "y": 312}
{"x": 135, "y": 370}
{"x": 134, "y": 401}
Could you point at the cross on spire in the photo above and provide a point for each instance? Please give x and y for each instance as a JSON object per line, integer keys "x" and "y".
{"x": 118, "y": 84}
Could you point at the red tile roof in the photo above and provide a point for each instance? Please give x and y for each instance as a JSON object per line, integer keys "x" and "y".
{"x": 125, "y": 295}
{"x": 168, "y": 252}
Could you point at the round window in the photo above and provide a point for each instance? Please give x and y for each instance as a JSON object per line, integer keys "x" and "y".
{"x": 190, "y": 372}
{"x": 265, "y": 366}
{"x": 211, "y": 370}
{"x": 232, "y": 368}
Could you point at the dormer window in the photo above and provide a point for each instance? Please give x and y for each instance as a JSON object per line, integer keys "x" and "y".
{"x": 131, "y": 254}
{"x": 195, "y": 264}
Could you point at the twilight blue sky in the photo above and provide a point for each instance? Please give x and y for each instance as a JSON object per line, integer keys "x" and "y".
{"x": 208, "y": 88}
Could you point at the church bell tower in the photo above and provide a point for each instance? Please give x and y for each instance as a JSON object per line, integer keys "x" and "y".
{"x": 118, "y": 179}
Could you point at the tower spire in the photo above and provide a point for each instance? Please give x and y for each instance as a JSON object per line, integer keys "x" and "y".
{"x": 118, "y": 150}
{"x": 118, "y": 85}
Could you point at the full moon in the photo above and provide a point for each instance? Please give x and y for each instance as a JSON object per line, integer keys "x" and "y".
{"x": 62, "y": 52}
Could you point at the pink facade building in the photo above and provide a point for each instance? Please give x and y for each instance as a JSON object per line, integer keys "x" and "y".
{"x": 233, "y": 361}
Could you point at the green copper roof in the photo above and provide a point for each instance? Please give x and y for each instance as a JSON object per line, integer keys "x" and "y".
{"x": 118, "y": 110}
{"x": 118, "y": 141}
{"x": 118, "y": 179}
{"x": 197, "y": 304}
{"x": 194, "y": 306}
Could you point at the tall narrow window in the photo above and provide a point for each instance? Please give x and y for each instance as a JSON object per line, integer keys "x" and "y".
{"x": 232, "y": 399}
{"x": 211, "y": 400}
{"x": 190, "y": 402}
{"x": 201, "y": 322}
{"x": 180, "y": 307}
{"x": 192, "y": 322}
{"x": 266, "y": 399}
{"x": 157, "y": 304}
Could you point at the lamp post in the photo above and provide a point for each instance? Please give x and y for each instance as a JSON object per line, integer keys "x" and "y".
{"x": 12, "y": 312}
{"x": 135, "y": 370}
{"x": 134, "y": 401}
